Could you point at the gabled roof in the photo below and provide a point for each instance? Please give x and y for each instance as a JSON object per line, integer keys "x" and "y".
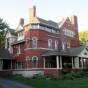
{"x": 12, "y": 31}
{"x": 19, "y": 28}
{"x": 5, "y": 54}
{"x": 72, "y": 52}
{"x": 76, "y": 50}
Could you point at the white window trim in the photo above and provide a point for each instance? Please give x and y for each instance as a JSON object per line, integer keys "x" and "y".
{"x": 56, "y": 42}
{"x": 63, "y": 45}
{"x": 68, "y": 45}
{"x": 27, "y": 65}
{"x": 51, "y": 43}
{"x": 20, "y": 49}
{"x": 26, "y": 43}
{"x": 17, "y": 65}
{"x": 36, "y": 41}
{"x": 36, "y": 62}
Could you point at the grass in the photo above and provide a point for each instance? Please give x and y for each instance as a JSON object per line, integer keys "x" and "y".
{"x": 38, "y": 83}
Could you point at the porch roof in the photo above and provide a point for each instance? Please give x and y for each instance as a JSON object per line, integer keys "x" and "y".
{"x": 71, "y": 52}
{"x": 5, "y": 54}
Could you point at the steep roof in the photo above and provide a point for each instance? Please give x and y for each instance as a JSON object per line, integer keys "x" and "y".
{"x": 5, "y": 54}
{"x": 12, "y": 31}
{"x": 76, "y": 50}
{"x": 72, "y": 52}
{"x": 48, "y": 22}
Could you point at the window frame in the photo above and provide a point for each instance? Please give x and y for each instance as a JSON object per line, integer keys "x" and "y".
{"x": 27, "y": 62}
{"x": 34, "y": 46}
{"x": 56, "y": 45}
{"x": 35, "y": 66}
{"x": 27, "y": 43}
{"x": 19, "y": 49}
{"x": 50, "y": 44}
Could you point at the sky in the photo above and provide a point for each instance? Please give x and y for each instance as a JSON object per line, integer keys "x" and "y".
{"x": 12, "y": 10}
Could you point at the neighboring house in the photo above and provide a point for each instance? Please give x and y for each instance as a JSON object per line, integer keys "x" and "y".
{"x": 45, "y": 47}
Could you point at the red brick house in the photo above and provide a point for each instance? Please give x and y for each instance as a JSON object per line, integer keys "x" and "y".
{"x": 44, "y": 46}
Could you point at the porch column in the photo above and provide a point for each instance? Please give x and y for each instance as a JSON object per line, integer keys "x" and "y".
{"x": 61, "y": 62}
{"x": 57, "y": 61}
{"x": 44, "y": 62}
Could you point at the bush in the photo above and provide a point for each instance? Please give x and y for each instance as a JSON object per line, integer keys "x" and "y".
{"x": 54, "y": 78}
{"x": 18, "y": 76}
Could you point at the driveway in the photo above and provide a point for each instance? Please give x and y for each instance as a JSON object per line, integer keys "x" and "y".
{"x": 11, "y": 84}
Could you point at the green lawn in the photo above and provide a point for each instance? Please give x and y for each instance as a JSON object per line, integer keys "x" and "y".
{"x": 38, "y": 83}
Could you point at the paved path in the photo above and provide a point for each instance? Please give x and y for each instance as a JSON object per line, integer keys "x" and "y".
{"x": 11, "y": 84}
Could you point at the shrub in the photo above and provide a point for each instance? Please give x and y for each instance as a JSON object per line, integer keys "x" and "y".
{"x": 52, "y": 77}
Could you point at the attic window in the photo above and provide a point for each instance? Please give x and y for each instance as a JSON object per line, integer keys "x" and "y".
{"x": 85, "y": 53}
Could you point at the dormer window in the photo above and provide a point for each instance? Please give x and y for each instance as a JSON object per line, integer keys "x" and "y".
{"x": 20, "y": 35}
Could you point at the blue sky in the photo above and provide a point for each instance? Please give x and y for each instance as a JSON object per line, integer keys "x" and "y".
{"x": 12, "y": 10}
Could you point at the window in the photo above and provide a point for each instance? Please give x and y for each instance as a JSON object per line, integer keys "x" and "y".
{"x": 56, "y": 45}
{"x": 8, "y": 43}
{"x": 49, "y": 29}
{"x": 80, "y": 62}
{"x": 34, "y": 42}
{"x": 18, "y": 65}
{"x": 68, "y": 45}
{"x": 27, "y": 62}
{"x": 63, "y": 45}
{"x": 21, "y": 33}
{"x": 34, "y": 26}
{"x": 19, "y": 49}
{"x": 50, "y": 44}
{"x": 35, "y": 62}
{"x": 27, "y": 43}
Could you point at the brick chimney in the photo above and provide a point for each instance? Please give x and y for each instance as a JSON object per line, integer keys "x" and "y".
{"x": 74, "y": 21}
{"x": 32, "y": 13}
{"x": 21, "y": 21}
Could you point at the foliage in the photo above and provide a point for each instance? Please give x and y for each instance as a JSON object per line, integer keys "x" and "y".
{"x": 3, "y": 25}
{"x": 83, "y": 36}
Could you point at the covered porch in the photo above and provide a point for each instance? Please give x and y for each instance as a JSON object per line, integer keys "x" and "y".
{"x": 7, "y": 62}
{"x": 61, "y": 62}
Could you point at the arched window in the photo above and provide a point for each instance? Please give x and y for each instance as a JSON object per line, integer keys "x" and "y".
{"x": 68, "y": 45}
{"x": 63, "y": 45}
{"x": 27, "y": 62}
{"x": 50, "y": 44}
{"x": 27, "y": 43}
{"x": 56, "y": 45}
{"x": 34, "y": 61}
{"x": 34, "y": 42}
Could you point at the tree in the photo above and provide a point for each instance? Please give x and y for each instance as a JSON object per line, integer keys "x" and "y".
{"x": 3, "y": 25}
{"x": 83, "y": 36}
